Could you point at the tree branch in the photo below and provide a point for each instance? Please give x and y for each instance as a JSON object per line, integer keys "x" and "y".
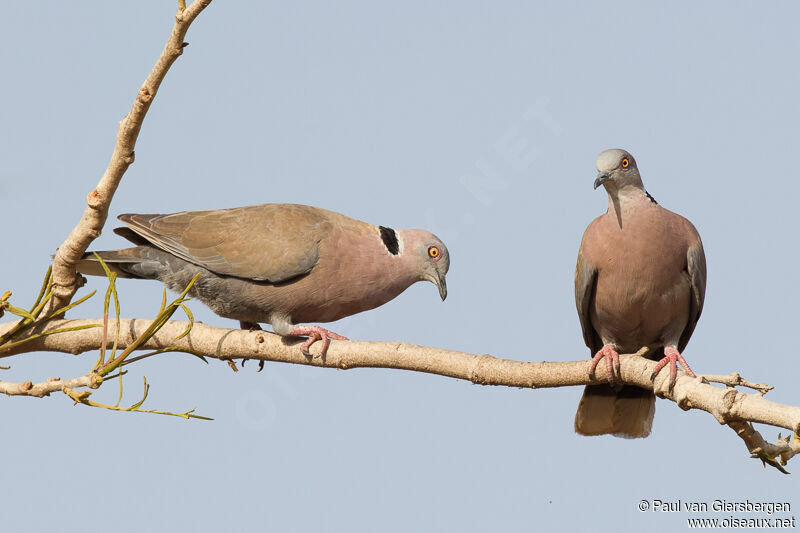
{"x": 726, "y": 405}
{"x": 39, "y": 390}
{"x": 65, "y": 280}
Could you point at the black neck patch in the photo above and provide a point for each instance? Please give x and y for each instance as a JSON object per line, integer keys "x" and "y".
{"x": 651, "y": 198}
{"x": 389, "y": 238}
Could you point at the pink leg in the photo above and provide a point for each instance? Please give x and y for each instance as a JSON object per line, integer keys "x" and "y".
{"x": 672, "y": 356}
{"x": 612, "y": 362}
{"x": 315, "y": 333}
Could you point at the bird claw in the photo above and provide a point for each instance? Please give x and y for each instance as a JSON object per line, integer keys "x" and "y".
{"x": 612, "y": 362}
{"x": 260, "y": 364}
{"x": 252, "y": 326}
{"x": 673, "y": 357}
{"x": 315, "y": 333}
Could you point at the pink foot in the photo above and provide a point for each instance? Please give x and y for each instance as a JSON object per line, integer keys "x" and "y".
{"x": 672, "y": 356}
{"x": 612, "y": 362}
{"x": 315, "y": 333}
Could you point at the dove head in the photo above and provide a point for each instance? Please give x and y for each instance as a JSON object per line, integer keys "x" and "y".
{"x": 428, "y": 256}
{"x": 616, "y": 170}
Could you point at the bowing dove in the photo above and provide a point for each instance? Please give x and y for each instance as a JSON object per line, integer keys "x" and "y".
{"x": 281, "y": 264}
{"x": 640, "y": 282}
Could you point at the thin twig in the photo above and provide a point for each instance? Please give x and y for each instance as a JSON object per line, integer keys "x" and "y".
{"x": 775, "y": 455}
{"x": 735, "y": 380}
{"x": 83, "y": 397}
{"x": 39, "y": 390}
{"x": 65, "y": 280}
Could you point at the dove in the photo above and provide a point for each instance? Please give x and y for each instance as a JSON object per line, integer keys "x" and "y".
{"x": 281, "y": 264}
{"x": 640, "y": 281}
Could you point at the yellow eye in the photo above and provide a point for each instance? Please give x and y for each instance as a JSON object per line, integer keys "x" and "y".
{"x": 433, "y": 251}
{"x": 625, "y": 162}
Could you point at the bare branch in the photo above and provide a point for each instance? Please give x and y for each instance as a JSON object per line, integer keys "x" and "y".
{"x": 727, "y": 405}
{"x": 735, "y": 380}
{"x": 39, "y": 390}
{"x": 65, "y": 281}
{"x": 784, "y": 449}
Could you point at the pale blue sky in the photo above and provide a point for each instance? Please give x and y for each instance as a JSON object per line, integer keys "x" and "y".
{"x": 477, "y": 121}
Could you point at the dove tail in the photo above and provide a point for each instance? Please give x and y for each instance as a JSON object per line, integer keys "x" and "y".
{"x": 624, "y": 412}
{"x": 122, "y": 262}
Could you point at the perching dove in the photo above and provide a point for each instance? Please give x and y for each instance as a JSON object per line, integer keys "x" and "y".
{"x": 280, "y": 264}
{"x": 640, "y": 281}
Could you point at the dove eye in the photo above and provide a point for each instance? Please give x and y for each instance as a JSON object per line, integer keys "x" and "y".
{"x": 433, "y": 252}
{"x": 625, "y": 163}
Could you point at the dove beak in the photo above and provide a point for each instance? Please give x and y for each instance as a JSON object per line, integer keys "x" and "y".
{"x": 601, "y": 179}
{"x": 437, "y": 278}
{"x": 441, "y": 284}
